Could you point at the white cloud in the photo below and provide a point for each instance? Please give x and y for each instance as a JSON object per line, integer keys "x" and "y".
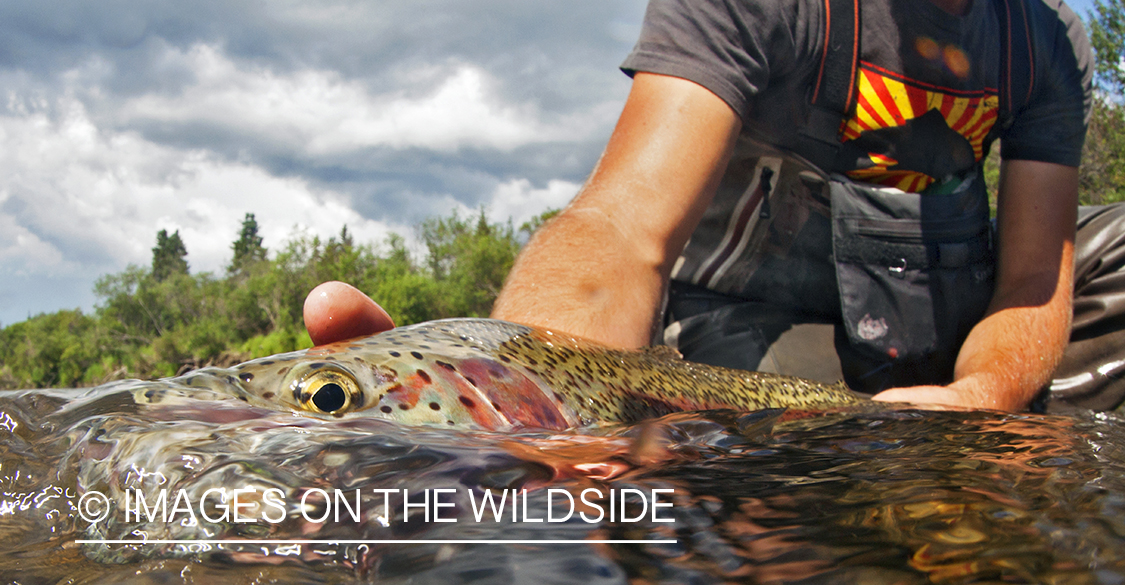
{"x": 24, "y": 249}
{"x": 320, "y": 112}
{"x": 519, "y": 200}
{"x": 71, "y": 195}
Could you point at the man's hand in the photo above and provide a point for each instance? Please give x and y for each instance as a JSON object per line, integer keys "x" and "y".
{"x": 335, "y": 311}
{"x": 956, "y": 395}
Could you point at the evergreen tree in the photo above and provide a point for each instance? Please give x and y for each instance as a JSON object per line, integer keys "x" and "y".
{"x": 169, "y": 256}
{"x": 248, "y": 249}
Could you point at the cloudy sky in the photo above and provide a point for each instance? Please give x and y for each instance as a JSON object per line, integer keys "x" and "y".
{"x": 119, "y": 118}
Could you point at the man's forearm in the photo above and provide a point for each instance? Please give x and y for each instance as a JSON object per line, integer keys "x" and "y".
{"x": 1011, "y": 354}
{"x": 598, "y": 269}
{"x": 579, "y": 276}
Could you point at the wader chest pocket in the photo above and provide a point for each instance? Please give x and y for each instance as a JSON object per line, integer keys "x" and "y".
{"x": 915, "y": 271}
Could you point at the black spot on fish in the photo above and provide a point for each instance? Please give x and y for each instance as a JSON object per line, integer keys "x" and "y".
{"x": 284, "y": 370}
{"x": 446, "y": 366}
{"x": 496, "y": 406}
{"x": 424, "y": 376}
{"x": 150, "y": 393}
{"x": 243, "y": 398}
{"x": 246, "y": 376}
{"x": 395, "y": 354}
{"x": 449, "y": 422}
{"x": 416, "y": 355}
{"x": 266, "y": 362}
{"x": 267, "y": 395}
{"x": 470, "y": 381}
{"x": 403, "y": 407}
{"x": 317, "y": 365}
{"x": 386, "y": 409}
{"x": 435, "y": 406}
{"x": 468, "y": 402}
{"x": 505, "y": 359}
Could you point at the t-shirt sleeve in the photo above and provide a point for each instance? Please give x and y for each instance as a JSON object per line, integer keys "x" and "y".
{"x": 1052, "y": 127}
{"x": 731, "y": 47}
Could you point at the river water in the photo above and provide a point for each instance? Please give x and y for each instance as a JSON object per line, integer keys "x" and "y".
{"x": 889, "y": 496}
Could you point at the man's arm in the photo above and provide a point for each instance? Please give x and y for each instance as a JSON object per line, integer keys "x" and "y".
{"x": 599, "y": 268}
{"x": 1012, "y": 352}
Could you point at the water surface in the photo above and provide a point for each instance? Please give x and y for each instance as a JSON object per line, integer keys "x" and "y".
{"x": 893, "y": 496}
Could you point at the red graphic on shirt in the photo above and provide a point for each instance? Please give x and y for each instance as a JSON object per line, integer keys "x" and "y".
{"x": 888, "y": 101}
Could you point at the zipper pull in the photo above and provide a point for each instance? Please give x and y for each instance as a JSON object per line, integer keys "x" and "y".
{"x": 764, "y": 184}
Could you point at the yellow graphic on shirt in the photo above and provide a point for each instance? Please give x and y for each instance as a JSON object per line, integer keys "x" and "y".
{"x": 888, "y": 101}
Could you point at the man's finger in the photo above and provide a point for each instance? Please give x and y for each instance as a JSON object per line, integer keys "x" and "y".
{"x": 335, "y": 311}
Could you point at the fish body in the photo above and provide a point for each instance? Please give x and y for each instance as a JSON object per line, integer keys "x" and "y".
{"x": 483, "y": 373}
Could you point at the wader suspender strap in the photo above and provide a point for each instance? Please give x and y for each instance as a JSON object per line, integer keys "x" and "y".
{"x": 832, "y": 95}
{"x": 1015, "y": 48}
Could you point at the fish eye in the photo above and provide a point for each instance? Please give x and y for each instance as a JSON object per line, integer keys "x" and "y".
{"x": 327, "y": 391}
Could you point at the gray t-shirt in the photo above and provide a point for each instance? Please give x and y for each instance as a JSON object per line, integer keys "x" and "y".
{"x": 928, "y": 81}
{"x": 927, "y": 108}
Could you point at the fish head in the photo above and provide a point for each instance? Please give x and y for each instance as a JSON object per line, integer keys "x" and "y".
{"x": 415, "y": 375}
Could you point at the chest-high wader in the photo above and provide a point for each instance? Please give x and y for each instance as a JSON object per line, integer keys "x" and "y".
{"x": 914, "y": 270}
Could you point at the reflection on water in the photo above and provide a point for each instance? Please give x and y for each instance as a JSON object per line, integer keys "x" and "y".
{"x": 896, "y": 496}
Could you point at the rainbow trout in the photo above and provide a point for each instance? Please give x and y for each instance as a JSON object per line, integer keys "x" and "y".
{"x": 491, "y": 374}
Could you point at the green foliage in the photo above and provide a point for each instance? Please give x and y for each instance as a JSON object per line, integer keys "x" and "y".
{"x": 278, "y": 341}
{"x": 169, "y": 257}
{"x": 1101, "y": 178}
{"x": 468, "y": 260}
{"x": 166, "y": 321}
{"x": 1107, "y": 37}
{"x": 47, "y": 351}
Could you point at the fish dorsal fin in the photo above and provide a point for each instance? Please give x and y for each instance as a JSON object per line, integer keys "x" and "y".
{"x": 666, "y": 352}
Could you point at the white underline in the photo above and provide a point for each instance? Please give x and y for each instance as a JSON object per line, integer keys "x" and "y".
{"x": 301, "y": 541}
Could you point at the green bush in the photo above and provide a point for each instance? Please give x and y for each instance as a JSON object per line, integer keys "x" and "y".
{"x": 148, "y": 327}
